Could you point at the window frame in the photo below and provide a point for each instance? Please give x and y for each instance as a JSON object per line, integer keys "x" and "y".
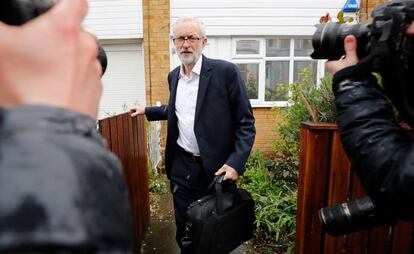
{"x": 261, "y": 82}
{"x": 262, "y": 59}
{"x": 234, "y": 55}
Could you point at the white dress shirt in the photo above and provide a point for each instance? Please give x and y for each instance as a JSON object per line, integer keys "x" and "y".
{"x": 185, "y": 105}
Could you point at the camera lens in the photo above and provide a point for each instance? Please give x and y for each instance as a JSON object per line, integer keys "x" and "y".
{"x": 328, "y": 40}
{"x": 334, "y": 219}
{"x": 348, "y": 217}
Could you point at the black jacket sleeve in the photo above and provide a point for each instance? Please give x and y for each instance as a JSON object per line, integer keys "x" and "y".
{"x": 243, "y": 121}
{"x": 156, "y": 113}
{"x": 381, "y": 152}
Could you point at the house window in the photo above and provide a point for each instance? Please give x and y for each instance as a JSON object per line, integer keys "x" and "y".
{"x": 277, "y": 74}
{"x": 250, "y": 74}
{"x": 268, "y": 65}
{"x": 277, "y": 47}
{"x": 248, "y": 47}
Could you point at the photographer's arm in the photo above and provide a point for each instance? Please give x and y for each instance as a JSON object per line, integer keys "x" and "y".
{"x": 382, "y": 153}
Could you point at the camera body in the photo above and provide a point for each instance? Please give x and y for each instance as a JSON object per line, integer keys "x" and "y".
{"x": 18, "y": 12}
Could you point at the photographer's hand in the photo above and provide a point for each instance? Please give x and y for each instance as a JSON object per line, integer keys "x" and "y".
{"x": 410, "y": 29}
{"x": 351, "y": 58}
{"x": 51, "y": 60}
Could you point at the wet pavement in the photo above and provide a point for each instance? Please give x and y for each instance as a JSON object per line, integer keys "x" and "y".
{"x": 160, "y": 237}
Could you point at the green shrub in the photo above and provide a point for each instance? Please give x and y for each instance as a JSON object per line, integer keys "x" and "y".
{"x": 158, "y": 183}
{"x": 318, "y": 100}
{"x": 273, "y": 182}
{"x": 274, "y": 190}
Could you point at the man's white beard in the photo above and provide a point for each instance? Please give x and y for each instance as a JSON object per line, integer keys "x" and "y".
{"x": 187, "y": 60}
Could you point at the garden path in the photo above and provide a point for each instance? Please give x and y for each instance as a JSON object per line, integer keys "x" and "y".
{"x": 160, "y": 237}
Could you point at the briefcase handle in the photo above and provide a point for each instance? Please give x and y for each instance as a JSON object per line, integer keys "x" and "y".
{"x": 218, "y": 187}
{"x": 218, "y": 180}
{"x": 219, "y": 193}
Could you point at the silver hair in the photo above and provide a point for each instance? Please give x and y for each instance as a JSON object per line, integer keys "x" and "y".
{"x": 195, "y": 20}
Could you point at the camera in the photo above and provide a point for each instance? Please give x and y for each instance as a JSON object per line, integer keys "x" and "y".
{"x": 384, "y": 47}
{"x": 375, "y": 41}
{"x": 18, "y": 12}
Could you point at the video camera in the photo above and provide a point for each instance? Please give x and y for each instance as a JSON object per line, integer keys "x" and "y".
{"x": 384, "y": 47}
{"x": 18, "y": 12}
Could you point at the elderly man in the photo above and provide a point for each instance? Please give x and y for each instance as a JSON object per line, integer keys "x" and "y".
{"x": 210, "y": 121}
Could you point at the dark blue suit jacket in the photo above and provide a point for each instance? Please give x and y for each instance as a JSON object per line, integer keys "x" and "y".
{"x": 224, "y": 122}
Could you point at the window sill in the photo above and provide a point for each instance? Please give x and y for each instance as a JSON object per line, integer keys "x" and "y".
{"x": 279, "y": 104}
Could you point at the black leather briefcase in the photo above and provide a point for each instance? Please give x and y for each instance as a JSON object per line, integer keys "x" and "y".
{"x": 219, "y": 222}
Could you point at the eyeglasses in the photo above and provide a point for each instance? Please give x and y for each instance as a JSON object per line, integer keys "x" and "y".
{"x": 189, "y": 39}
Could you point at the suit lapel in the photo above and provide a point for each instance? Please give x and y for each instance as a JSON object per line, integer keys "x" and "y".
{"x": 203, "y": 85}
{"x": 173, "y": 91}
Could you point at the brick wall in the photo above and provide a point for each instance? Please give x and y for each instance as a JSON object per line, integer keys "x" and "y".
{"x": 366, "y": 8}
{"x": 156, "y": 49}
{"x": 266, "y": 129}
{"x": 156, "y": 15}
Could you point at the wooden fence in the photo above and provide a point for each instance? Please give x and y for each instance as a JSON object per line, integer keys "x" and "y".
{"x": 126, "y": 138}
{"x": 326, "y": 178}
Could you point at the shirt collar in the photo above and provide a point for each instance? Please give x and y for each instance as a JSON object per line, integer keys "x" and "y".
{"x": 196, "y": 68}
